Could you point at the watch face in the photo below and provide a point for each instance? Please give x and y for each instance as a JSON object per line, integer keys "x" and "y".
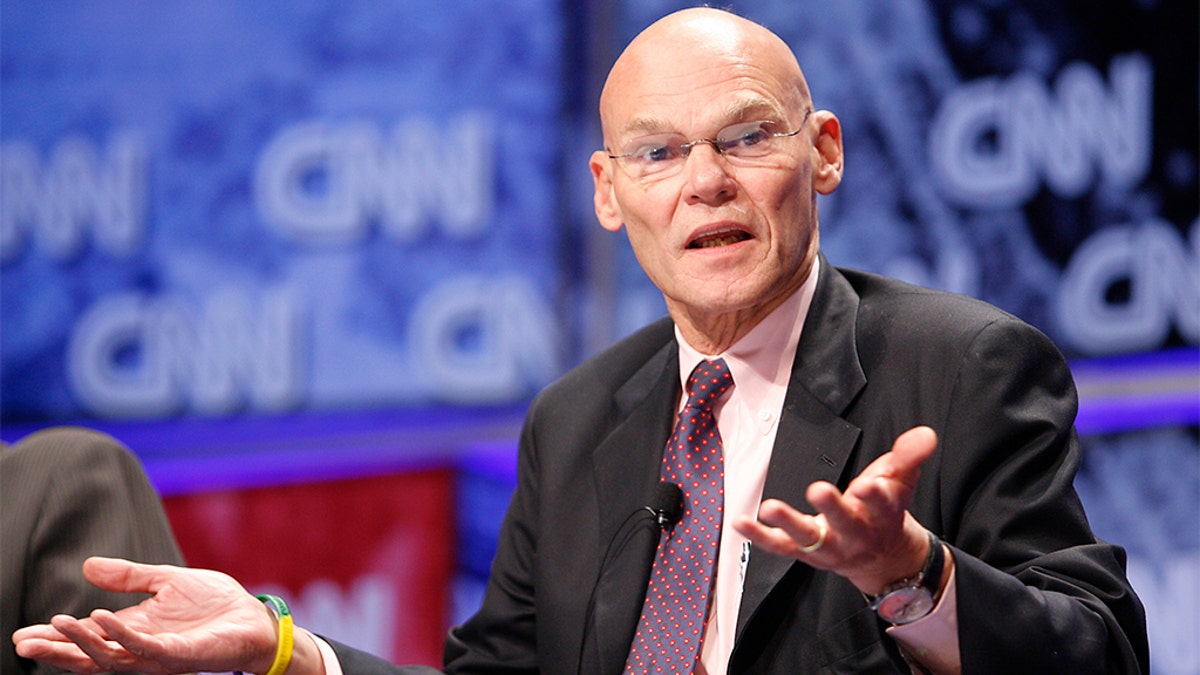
{"x": 904, "y": 605}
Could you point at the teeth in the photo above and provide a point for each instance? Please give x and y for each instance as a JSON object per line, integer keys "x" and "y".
{"x": 713, "y": 241}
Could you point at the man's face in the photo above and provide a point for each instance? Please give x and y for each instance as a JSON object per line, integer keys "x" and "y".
{"x": 720, "y": 235}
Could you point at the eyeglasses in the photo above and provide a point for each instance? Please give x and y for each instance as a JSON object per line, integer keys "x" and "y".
{"x": 663, "y": 155}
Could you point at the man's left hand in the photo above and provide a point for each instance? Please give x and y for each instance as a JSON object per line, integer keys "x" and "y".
{"x": 864, "y": 534}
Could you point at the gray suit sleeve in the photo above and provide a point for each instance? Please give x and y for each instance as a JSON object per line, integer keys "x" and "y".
{"x": 70, "y": 493}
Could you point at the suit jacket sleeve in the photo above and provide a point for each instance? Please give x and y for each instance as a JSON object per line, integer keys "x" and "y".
{"x": 357, "y": 662}
{"x": 501, "y": 637}
{"x": 1037, "y": 591}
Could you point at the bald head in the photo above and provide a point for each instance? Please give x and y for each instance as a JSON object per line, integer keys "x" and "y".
{"x": 686, "y": 49}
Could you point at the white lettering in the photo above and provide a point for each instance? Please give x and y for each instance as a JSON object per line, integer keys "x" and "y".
{"x": 55, "y": 204}
{"x": 322, "y": 183}
{"x": 1160, "y": 278}
{"x": 484, "y": 339}
{"x": 993, "y": 141}
{"x": 132, "y": 355}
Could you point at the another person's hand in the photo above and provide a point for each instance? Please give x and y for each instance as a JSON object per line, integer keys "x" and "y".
{"x": 865, "y": 534}
{"x": 196, "y": 620}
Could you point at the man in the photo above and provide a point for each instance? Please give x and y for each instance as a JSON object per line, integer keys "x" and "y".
{"x": 713, "y": 160}
{"x": 70, "y": 493}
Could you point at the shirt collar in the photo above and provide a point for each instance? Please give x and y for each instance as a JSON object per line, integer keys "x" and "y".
{"x": 763, "y": 357}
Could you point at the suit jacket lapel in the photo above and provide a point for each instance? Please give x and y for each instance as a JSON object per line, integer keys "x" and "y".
{"x": 627, "y": 465}
{"x": 814, "y": 442}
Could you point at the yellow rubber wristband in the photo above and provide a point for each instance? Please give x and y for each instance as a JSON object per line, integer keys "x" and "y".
{"x": 283, "y": 651}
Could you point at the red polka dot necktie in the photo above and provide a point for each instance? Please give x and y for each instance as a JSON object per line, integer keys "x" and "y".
{"x": 676, "y": 606}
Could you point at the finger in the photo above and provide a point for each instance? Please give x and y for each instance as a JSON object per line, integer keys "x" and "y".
{"x": 824, "y": 496}
{"x": 107, "y": 656}
{"x": 61, "y": 655}
{"x": 41, "y": 631}
{"x": 804, "y": 530}
{"x": 145, "y": 646}
{"x": 783, "y": 530}
{"x": 910, "y": 450}
{"x": 903, "y": 462}
{"x": 769, "y": 539}
{"x": 125, "y": 576}
{"x": 844, "y": 514}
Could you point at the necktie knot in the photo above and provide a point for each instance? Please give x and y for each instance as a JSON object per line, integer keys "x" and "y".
{"x": 708, "y": 381}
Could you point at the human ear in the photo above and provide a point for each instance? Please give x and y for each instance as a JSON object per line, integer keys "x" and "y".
{"x": 607, "y": 211}
{"x": 827, "y": 153}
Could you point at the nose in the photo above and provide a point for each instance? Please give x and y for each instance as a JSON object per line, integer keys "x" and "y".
{"x": 706, "y": 175}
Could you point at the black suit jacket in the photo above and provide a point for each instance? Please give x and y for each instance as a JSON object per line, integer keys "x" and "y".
{"x": 1037, "y": 592}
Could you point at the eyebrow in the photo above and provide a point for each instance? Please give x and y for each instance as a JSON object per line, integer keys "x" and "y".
{"x": 739, "y": 110}
{"x": 753, "y": 108}
{"x": 647, "y": 125}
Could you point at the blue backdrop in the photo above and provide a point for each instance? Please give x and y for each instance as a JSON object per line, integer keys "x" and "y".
{"x": 212, "y": 208}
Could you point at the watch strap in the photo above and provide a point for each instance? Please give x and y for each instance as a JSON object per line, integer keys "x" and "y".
{"x": 935, "y": 563}
{"x": 929, "y": 578}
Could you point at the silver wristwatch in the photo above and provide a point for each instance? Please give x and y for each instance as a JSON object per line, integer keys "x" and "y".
{"x": 908, "y": 600}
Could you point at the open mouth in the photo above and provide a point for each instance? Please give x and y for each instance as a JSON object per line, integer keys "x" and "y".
{"x": 719, "y": 238}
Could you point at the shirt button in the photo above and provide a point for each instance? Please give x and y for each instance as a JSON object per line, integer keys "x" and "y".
{"x": 764, "y": 415}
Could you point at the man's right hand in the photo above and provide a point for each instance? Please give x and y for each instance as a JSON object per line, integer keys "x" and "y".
{"x": 194, "y": 621}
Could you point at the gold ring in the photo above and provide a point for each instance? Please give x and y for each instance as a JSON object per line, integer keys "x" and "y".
{"x": 812, "y": 548}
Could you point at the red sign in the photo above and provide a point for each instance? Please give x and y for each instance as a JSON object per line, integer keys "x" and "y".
{"x": 366, "y": 562}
